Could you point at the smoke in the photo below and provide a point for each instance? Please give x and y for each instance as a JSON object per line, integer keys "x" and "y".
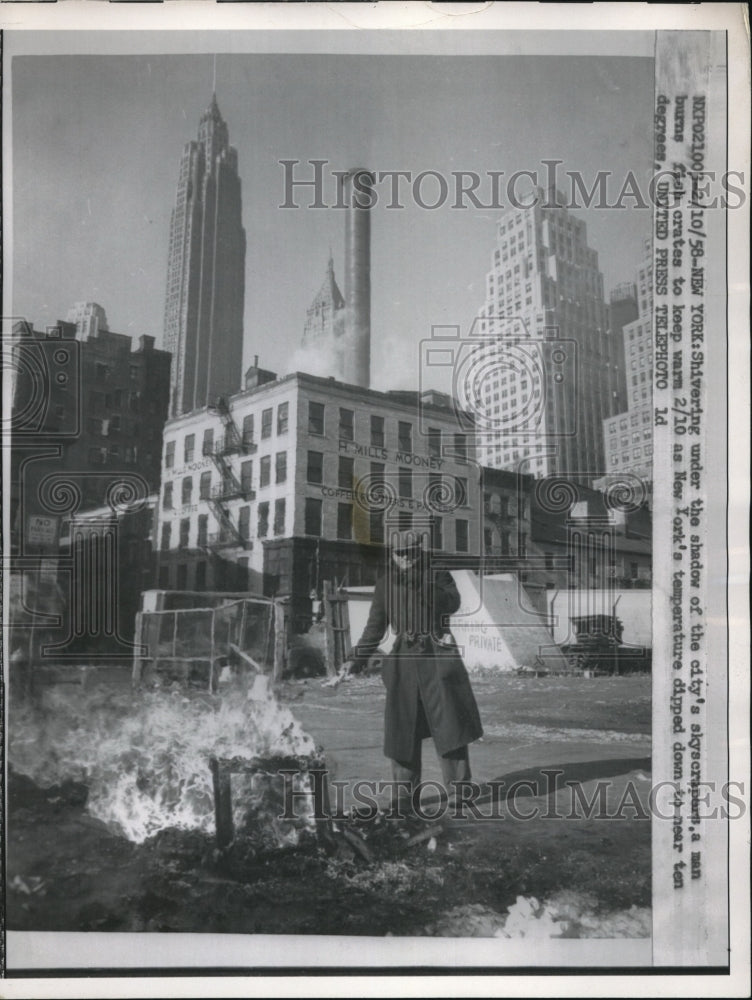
{"x": 323, "y": 358}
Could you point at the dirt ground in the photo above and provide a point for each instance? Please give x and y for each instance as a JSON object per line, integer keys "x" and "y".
{"x": 69, "y": 871}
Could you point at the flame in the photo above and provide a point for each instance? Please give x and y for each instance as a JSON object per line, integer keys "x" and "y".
{"x": 144, "y": 755}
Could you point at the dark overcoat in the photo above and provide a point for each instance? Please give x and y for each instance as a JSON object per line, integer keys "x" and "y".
{"x": 420, "y": 669}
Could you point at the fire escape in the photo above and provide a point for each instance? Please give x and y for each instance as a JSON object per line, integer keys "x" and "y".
{"x": 230, "y": 487}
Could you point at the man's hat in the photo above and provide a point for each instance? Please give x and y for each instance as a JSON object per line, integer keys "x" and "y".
{"x": 407, "y": 541}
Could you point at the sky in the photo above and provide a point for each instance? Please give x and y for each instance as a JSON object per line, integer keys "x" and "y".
{"x": 97, "y": 141}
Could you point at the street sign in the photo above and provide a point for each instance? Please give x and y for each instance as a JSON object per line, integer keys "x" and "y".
{"x": 41, "y": 529}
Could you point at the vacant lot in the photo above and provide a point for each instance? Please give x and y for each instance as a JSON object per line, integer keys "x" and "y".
{"x": 98, "y": 753}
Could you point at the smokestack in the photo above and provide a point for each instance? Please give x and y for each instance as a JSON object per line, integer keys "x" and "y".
{"x": 359, "y": 196}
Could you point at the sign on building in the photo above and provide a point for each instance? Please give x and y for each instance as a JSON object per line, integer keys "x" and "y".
{"x": 41, "y": 529}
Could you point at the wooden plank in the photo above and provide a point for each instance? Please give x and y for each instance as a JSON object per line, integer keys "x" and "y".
{"x": 222, "y": 803}
{"x": 280, "y": 641}
{"x": 138, "y": 661}
{"x": 248, "y": 660}
{"x": 331, "y": 649}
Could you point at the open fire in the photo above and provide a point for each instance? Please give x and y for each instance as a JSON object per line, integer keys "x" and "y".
{"x": 144, "y": 755}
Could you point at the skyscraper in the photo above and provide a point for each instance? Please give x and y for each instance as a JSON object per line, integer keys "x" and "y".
{"x": 553, "y": 370}
{"x": 89, "y": 318}
{"x": 628, "y": 435}
{"x": 206, "y": 271}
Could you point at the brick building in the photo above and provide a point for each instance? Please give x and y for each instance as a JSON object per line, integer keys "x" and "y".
{"x": 299, "y": 479}
{"x": 87, "y": 417}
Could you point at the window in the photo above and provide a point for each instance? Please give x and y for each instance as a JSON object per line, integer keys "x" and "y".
{"x": 203, "y": 528}
{"x": 460, "y": 491}
{"x": 487, "y": 539}
{"x": 204, "y": 486}
{"x": 315, "y": 418}
{"x": 181, "y": 581}
{"x": 437, "y": 533}
{"x": 434, "y": 442}
{"x": 346, "y": 425}
{"x": 279, "y": 516}
{"x": 346, "y": 472}
{"x": 189, "y": 448}
{"x": 313, "y": 516}
{"x": 244, "y": 522}
{"x": 460, "y": 535}
{"x": 315, "y": 470}
{"x": 405, "y": 436}
{"x": 164, "y": 577}
{"x": 185, "y": 529}
{"x": 280, "y": 467}
{"x": 344, "y": 520}
{"x": 167, "y": 496}
{"x": 186, "y": 490}
{"x": 633, "y": 570}
{"x": 166, "y": 532}
{"x": 247, "y": 430}
{"x": 200, "y": 575}
{"x": 405, "y": 478}
{"x": 207, "y": 446}
{"x": 101, "y": 371}
{"x": 376, "y": 526}
{"x": 283, "y": 418}
{"x": 265, "y": 470}
{"x": 246, "y": 477}
{"x": 263, "y": 519}
{"x": 460, "y": 447}
{"x": 266, "y": 423}
{"x": 169, "y": 454}
{"x": 377, "y": 431}
{"x": 505, "y": 543}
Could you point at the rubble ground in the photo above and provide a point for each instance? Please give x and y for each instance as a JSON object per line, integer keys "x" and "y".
{"x": 553, "y": 874}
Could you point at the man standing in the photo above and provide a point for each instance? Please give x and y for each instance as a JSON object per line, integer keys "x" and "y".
{"x": 428, "y": 691}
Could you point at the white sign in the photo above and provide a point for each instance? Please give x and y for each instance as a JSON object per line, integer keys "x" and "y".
{"x": 42, "y": 530}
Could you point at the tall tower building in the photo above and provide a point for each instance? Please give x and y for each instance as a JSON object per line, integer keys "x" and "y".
{"x": 628, "y": 435}
{"x": 203, "y": 326}
{"x": 552, "y": 370}
{"x": 89, "y": 318}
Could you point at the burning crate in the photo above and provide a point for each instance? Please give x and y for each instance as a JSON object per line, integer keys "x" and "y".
{"x": 269, "y": 802}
